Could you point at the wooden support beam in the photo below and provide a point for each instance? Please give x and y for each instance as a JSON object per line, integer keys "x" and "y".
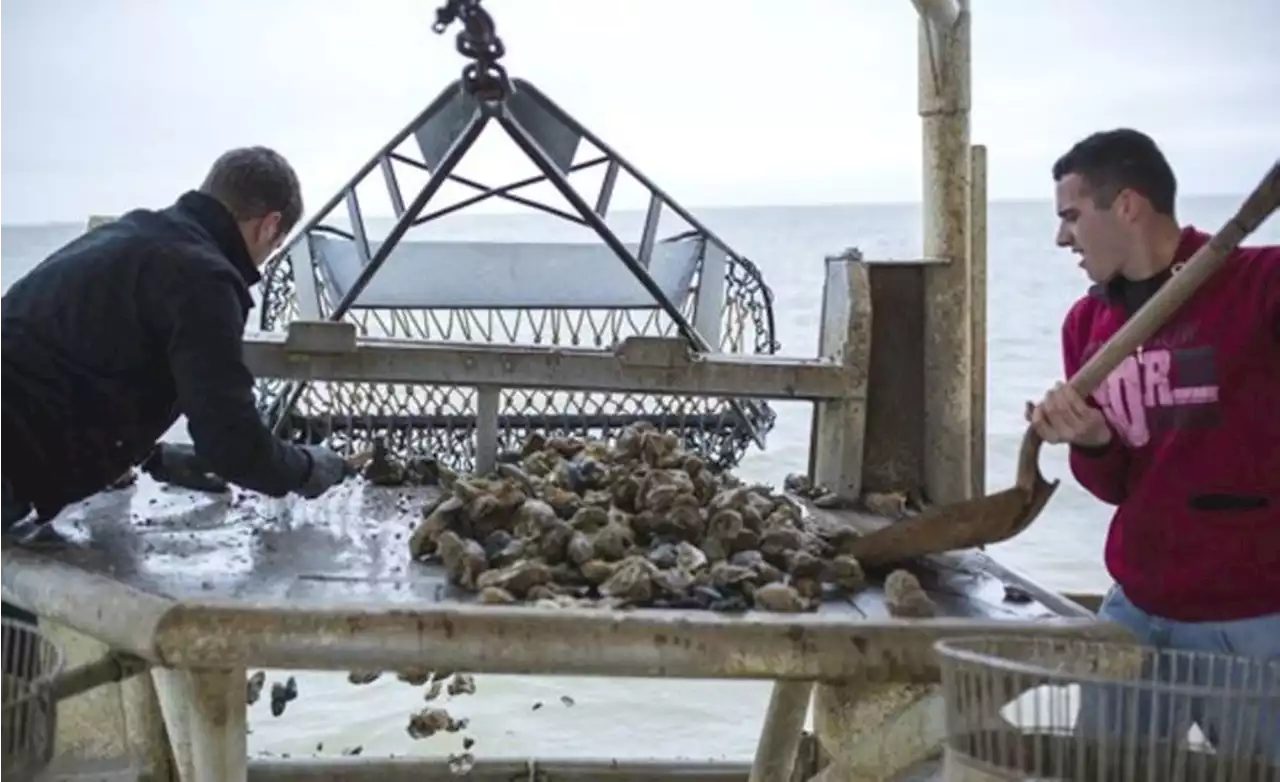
{"x": 657, "y": 365}
{"x": 585, "y": 641}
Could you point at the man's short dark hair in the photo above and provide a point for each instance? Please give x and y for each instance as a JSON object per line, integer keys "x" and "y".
{"x": 255, "y": 181}
{"x": 1124, "y": 159}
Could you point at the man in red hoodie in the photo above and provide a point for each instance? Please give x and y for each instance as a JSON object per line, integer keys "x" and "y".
{"x": 1183, "y": 438}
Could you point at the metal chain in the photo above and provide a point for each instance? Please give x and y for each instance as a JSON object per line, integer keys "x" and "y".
{"x": 478, "y": 40}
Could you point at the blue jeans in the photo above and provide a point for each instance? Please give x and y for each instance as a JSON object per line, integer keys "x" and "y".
{"x": 1251, "y": 731}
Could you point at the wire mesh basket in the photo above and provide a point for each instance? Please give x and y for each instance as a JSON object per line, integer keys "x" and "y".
{"x": 1058, "y": 709}
{"x": 28, "y": 704}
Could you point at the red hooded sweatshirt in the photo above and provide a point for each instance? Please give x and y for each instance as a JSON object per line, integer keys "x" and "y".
{"x": 1194, "y": 462}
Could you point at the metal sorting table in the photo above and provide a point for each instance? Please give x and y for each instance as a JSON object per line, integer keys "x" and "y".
{"x": 189, "y": 580}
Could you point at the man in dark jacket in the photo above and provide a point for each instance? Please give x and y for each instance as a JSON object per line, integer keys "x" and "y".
{"x": 111, "y": 338}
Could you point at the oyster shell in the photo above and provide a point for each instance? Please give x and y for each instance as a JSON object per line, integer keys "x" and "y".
{"x": 431, "y": 721}
{"x": 362, "y": 677}
{"x": 382, "y": 469}
{"x": 516, "y": 579}
{"x": 440, "y": 518}
{"x": 904, "y": 597}
{"x": 632, "y": 581}
{"x": 566, "y": 522}
{"x": 282, "y": 694}
{"x": 462, "y": 684}
{"x": 253, "y": 687}
{"x": 779, "y": 597}
{"x": 464, "y": 559}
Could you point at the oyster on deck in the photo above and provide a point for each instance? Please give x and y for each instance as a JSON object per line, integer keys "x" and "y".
{"x": 641, "y": 522}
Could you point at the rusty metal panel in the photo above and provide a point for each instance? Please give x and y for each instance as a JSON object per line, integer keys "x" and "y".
{"x": 894, "y": 456}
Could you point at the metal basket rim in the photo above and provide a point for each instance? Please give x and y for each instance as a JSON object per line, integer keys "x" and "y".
{"x": 950, "y": 649}
{"x": 40, "y": 685}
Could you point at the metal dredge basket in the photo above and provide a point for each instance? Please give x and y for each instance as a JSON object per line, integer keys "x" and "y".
{"x": 34, "y": 683}
{"x": 1057, "y": 709}
{"x": 29, "y": 703}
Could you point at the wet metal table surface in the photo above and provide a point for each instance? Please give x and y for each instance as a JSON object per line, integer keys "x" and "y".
{"x": 187, "y": 578}
{"x": 350, "y": 545}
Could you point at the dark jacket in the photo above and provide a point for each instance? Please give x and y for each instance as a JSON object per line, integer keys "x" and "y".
{"x": 112, "y": 337}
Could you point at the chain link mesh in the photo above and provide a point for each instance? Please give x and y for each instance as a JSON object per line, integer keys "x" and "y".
{"x": 439, "y": 421}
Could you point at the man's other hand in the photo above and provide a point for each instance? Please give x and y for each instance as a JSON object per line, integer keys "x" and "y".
{"x": 1063, "y": 416}
{"x": 178, "y": 465}
{"x": 327, "y": 470}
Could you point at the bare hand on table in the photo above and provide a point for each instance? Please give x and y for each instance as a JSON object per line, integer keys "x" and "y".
{"x": 1063, "y": 416}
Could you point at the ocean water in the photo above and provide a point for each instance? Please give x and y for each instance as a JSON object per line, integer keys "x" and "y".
{"x": 1031, "y": 284}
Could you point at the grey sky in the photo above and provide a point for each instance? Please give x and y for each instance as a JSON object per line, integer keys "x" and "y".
{"x": 109, "y": 104}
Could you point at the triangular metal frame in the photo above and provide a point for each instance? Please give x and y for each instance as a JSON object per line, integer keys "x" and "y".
{"x": 549, "y": 137}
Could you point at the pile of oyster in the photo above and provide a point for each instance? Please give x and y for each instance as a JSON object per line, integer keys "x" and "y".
{"x": 640, "y": 522}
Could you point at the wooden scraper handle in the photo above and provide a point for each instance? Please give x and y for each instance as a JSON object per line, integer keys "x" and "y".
{"x": 1260, "y": 204}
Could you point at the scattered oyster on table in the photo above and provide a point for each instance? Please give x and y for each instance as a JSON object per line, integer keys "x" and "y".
{"x": 567, "y": 522}
{"x": 846, "y": 572}
{"x": 803, "y": 486}
{"x": 904, "y": 597}
{"x": 381, "y": 469}
{"x": 779, "y": 597}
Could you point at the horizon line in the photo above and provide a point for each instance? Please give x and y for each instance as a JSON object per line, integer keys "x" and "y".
{"x": 691, "y": 208}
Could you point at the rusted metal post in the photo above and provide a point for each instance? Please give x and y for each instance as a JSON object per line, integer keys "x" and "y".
{"x": 944, "y": 100}
{"x": 978, "y": 321}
